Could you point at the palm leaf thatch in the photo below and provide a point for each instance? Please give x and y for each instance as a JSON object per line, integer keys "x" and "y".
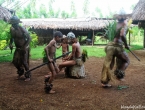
{"x": 123, "y": 16}
{"x": 72, "y": 24}
{"x": 4, "y": 14}
{"x": 139, "y": 11}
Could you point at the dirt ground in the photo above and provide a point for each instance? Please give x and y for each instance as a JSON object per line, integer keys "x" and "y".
{"x": 73, "y": 94}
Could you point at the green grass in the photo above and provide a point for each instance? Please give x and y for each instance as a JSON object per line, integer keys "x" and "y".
{"x": 36, "y": 53}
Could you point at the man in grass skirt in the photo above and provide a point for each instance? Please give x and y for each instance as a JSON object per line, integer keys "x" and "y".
{"x": 114, "y": 50}
{"x": 21, "y": 39}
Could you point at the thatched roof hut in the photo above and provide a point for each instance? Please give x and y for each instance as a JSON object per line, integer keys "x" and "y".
{"x": 139, "y": 11}
{"x": 124, "y": 16}
{"x": 138, "y": 16}
{"x": 81, "y": 26}
{"x": 73, "y": 24}
{"x": 4, "y": 14}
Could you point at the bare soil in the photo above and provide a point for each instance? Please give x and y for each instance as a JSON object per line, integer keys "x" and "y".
{"x": 72, "y": 94}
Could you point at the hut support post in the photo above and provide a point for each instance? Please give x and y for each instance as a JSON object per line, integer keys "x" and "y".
{"x": 93, "y": 38}
{"x": 129, "y": 38}
{"x": 144, "y": 39}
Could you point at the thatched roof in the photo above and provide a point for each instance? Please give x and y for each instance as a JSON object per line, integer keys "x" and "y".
{"x": 74, "y": 24}
{"x": 4, "y": 14}
{"x": 139, "y": 11}
{"x": 124, "y": 16}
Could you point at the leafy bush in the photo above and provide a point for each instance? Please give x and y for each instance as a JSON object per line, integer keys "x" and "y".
{"x": 34, "y": 39}
{"x": 3, "y": 44}
{"x": 4, "y": 34}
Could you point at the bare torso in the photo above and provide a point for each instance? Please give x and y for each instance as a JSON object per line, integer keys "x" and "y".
{"x": 120, "y": 33}
{"x": 64, "y": 47}
{"x": 18, "y": 37}
{"x": 52, "y": 48}
{"x": 78, "y": 50}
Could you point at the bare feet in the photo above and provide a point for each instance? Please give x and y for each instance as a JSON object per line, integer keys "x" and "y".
{"x": 51, "y": 92}
{"x": 106, "y": 85}
{"x": 46, "y": 76}
{"x": 122, "y": 79}
{"x": 27, "y": 79}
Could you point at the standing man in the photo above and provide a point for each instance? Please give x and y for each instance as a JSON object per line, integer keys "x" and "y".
{"x": 115, "y": 50}
{"x": 76, "y": 56}
{"x": 21, "y": 38}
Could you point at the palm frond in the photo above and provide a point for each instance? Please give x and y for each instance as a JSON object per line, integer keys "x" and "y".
{"x": 110, "y": 30}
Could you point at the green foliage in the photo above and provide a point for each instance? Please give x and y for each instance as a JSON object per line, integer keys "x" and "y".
{"x": 4, "y": 34}
{"x": 111, "y": 30}
{"x": 84, "y": 55}
{"x": 137, "y": 31}
{"x": 64, "y": 14}
{"x": 34, "y": 39}
{"x": 98, "y": 11}
{"x": 27, "y": 12}
{"x": 73, "y": 10}
{"x": 136, "y": 36}
{"x": 44, "y": 56}
{"x": 3, "y": 44}
{"x": 43, "y": 12}
{"x": 85, "y": 7}
{"x": 36, "y": 53}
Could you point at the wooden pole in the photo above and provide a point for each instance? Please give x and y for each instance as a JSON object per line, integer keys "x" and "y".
{"x": 93, "y": 38}
{"x": 144, "y": 39}
{"x": 129, "y": 38}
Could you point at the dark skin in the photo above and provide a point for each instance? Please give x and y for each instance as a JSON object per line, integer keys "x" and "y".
{"x": 50, "y": 50}
{"x": 65, "y": 47}
{"x": 76, "y": 53}
{"x": 119, "y": 38}
{"x": 21, "y": 38}
{"x": 17, "y": 33}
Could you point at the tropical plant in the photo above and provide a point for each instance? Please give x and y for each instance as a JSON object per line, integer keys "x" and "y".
{"x": 43, "y": 12}
{"x": 34, "y": 39}
{"x": 4, "y": 34}
{"x": 64, "y": 14}
{"x": 86, "y": 7}
{"x": 110, "y": 30}
{"x": 98, "y": 11}
{"x": 73, "y": 10}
